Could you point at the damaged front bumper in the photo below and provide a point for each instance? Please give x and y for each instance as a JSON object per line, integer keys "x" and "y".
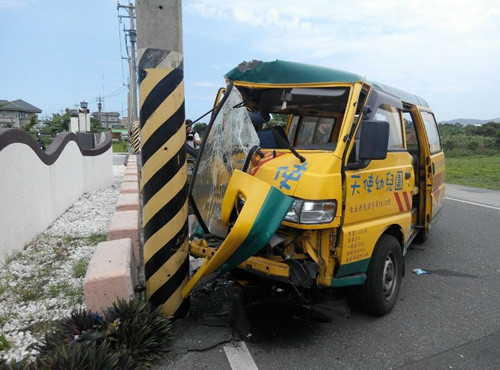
{"x": 258, "y": 265}
{"x": 263, "y": 211}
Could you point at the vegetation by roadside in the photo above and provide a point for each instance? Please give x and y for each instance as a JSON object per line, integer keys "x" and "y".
{"x": 480, "y": 171}
{"x": 120, "y": 146}
{"x": 472, "y": 154}
{"x": 129, "y": 335}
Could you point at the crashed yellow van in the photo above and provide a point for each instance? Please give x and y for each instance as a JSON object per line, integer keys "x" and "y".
{"x": 330, "y": 189}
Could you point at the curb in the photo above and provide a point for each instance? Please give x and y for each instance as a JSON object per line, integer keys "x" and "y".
{"x": 113, "y": 270}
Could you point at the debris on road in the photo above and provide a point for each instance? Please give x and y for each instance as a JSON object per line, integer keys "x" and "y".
{"x": 419, "y": 271}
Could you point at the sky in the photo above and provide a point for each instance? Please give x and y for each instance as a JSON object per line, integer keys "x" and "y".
{"x": 56, "y": 53}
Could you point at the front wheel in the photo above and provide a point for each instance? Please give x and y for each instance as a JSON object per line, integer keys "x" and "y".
{"x": 383, "y": 278}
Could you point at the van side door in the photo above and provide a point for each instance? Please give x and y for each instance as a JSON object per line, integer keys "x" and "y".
{"x": 434, "y": 168}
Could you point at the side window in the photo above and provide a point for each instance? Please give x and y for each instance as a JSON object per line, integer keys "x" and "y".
{"x": 390, "y": 114}
{"x": 432, "y": 132}
{"x": 411, "y": 134}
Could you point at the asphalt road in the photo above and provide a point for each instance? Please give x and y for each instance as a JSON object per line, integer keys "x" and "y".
{"x": 448, "y": 318}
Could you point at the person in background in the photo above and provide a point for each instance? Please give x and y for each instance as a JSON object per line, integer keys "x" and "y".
{"x": 192, "y": 138}
{"x": 265, "y": 135}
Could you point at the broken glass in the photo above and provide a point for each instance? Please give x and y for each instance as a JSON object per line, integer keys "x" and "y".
{"x": 231, "y": 137}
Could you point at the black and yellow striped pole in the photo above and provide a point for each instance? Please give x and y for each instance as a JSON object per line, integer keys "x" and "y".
{"x": 164, "y": 170}
{"x": 134, "y": 137}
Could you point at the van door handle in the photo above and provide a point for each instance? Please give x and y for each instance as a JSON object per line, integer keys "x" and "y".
{"x": 433, "y": 169}
{"x": 407, "y": 175}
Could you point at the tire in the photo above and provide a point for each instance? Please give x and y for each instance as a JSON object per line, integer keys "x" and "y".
{"x": 383, "y": 278}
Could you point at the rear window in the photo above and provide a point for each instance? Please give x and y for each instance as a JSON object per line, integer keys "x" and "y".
{"x": 315, "y": 130}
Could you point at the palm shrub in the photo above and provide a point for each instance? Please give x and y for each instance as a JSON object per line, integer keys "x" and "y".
{"x": 140, "y": 328}
{"x": 87, "y": 356}
{"x": 131, "y": 335}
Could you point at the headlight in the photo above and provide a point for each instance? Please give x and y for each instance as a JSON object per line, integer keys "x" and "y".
{"x": 312, "y": 212}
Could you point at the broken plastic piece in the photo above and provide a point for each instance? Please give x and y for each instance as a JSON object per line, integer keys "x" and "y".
{"x": 419, "y": 271}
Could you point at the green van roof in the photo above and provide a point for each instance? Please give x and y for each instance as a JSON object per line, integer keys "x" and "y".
{"x": 282, "y": 72}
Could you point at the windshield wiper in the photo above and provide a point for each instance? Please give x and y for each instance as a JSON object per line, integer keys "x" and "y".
{"x": 283, "y": 142}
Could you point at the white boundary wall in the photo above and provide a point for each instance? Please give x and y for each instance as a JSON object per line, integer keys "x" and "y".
{"x": 33, "y": 194}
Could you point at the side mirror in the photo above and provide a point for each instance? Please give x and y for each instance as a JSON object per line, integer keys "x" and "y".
{"x": 373, "y": 140}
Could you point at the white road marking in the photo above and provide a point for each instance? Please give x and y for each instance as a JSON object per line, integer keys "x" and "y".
{"x": 239, "y": 357}
{"x": 473, "y": 203}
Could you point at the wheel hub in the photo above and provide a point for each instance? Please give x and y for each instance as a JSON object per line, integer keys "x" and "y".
{"x": 388, "y": 277}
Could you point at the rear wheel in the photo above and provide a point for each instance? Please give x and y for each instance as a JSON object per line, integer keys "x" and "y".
{"x": 383, "y": 278}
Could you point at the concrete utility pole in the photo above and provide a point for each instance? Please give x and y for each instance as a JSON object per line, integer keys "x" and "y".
{"x": 132, "y": 36}
{"x": 164, "y": 170}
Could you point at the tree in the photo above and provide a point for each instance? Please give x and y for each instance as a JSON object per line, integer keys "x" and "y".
{"x": 278, "y": 119}
{"x": 95, "y": 125}
{"x": 57, "y": 123}
{"x": 33, "y": 121}
{"x": 200, "y": 128}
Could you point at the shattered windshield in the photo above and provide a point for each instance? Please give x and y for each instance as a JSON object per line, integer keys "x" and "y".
{"x": 226, "y": 146}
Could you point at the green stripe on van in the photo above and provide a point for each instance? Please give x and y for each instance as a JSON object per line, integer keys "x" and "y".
{"x": 267, "y": 222}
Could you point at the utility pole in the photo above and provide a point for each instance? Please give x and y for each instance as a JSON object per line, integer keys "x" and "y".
{"x": 99, "y": 104}
{"x": 164, "y": 169}
{"x": 132, "y": 37}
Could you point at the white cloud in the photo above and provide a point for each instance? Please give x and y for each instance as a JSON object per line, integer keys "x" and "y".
{"x": 14, "y": 5}
{"x": 439, "y": 47}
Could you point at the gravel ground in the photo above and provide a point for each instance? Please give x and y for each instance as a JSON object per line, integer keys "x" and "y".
{"x": 44, "y": 282}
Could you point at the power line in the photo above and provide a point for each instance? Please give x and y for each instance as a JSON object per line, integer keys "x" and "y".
{"x": 121, "y": 47}
{"x": 113, "y": 94}
{"x": 120, "y": 91}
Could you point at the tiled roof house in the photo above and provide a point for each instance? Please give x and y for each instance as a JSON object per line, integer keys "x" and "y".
{"x": 16, "y": 113}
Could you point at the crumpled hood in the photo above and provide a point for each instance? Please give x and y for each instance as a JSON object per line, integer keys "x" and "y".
{"x": 318, "y": 177}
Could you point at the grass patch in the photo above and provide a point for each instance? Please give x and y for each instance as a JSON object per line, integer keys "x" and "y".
{"x": 4, "y": 283}
{"x": 80, "y": 268}
{"x": 97, "y": 238}
{"x": 30, "y": 289}
{"x": 4, "y": 343}
{"x": 92, "y": 239}
{"x": 54, "y": 291}
{"x": 11, "y": 257}
{"x": 75, "y": 296}
{"x": 3, "y": 319}
{"x": 120, "y": 146}
{"x": 27, "y": 294}
{"x": 41, "y": 327}
{"x": 475, "y": 170}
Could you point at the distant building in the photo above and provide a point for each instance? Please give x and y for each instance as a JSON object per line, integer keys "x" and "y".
{"x": 16, "y": 113}
{"x": 124, "y": 122}
{"x": 109, "y": 120}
